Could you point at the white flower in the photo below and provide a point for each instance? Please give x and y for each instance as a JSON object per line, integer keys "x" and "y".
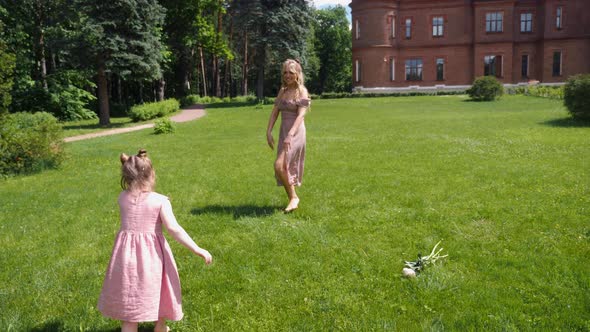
{"x": 408, "y": 273}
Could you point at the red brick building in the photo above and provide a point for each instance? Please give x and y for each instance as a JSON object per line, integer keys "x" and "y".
{"x": 444, "y": 44}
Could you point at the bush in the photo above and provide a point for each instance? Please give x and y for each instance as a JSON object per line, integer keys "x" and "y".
{"x": 164, "y": 126}
{"x": 190, "y": 100}
{"x": 576, "y": 96}
{"x": 29, "y": 143}
{"x": 150, "y": 111}
{"x": 551, "y": 92}
{"x": 486, "y": 88}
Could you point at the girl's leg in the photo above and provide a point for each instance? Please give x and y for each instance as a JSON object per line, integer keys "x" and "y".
{"x": 281, "y": 172}
{"x": 161, "y": 326}
{"x": 128, "y": 327}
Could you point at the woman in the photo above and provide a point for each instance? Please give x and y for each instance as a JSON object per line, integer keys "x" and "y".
{"x": 292, "y": 102}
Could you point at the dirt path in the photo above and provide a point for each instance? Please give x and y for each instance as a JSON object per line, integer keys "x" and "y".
{"x": 188, "y": 114}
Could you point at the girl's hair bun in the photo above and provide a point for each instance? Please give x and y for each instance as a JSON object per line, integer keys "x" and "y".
{"x": 142, "y": 153}
{"x": 123, "y": 157}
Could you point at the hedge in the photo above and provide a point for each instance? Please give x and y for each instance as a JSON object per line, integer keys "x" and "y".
{"x": 154, "y": 110}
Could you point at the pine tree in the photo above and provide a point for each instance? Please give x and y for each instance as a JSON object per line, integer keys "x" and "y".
{"x": 122, "y": 37}
{"x": 279, "y": 31}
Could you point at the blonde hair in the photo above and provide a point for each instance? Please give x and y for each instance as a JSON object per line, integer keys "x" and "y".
{"x": 295, "y": 67}
{"x": 137, "y": 173}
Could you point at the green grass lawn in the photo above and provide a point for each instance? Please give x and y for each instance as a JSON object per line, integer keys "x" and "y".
{"x": 505, "y": 186}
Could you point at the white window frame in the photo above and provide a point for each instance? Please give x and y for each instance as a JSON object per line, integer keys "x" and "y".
{"x": 357, "y": 70}
{"x": 408, "y": 28}
{"x": 392, "y": 69}
{"x": 393, "y": 27}
{"x": 357, "y": 29}
{"x": 438, "y": 30}
{"x": 559, "y": 17}
{"x": 526, "y": 22}
{"x": 495, "y": 22}
{"x": 560, "y": 63}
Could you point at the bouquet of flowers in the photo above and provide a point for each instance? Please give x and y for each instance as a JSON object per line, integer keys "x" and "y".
{"x": 412, "y": 268}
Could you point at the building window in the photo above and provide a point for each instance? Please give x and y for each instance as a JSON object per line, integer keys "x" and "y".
{"x": 557, "y": 63}
{"x": 524, "y": 70}
{"x": 392, "y": 68}
{"x": 558, "y": 17}
{"x": 493, "y": 65}
{"x": 440, "y": 69}
{"x": 357, "y": 29}
{"x": 414, "y": 70}
{"x": 357, "y": 70}
{"x": 437, "y": 26}
{"x": 494, "y": 22}
{"x": 526, "y": 22}
{"x": 393, "y": 27}
{"x": 408, "y": 28}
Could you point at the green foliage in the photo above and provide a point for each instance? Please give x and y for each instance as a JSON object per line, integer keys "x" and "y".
{"x": 126, "y": 35}
{"x": 545, "y": 91}
{"x": 29, "y": 143}
{"x": 69, "y": 98}
{"x": 486, "y": 88}
{"x": 552, "y": 92}
{"x": 196, "y": 99}
{"x": 154, "y": 110}
{"x": 277, "y": 31}
{"x": 7, "y": 63}
{"x": 164, "y": 126}
{"x": 65, "y": 97}
{"x": 333, "y": 46}
{"x": 577, "y": 96}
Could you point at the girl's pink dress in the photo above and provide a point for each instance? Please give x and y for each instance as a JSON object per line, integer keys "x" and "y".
{"x": 141, "y": 282}
{"x": 296, "y": 153}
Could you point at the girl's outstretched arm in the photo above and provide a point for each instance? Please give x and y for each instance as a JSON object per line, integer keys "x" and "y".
{"x": 179, "y": 234}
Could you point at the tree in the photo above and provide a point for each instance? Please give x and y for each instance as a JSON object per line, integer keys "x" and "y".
{"x": 122, "y": 37}
{"x": 7, "y": 61}
{"x": 333, "y": 46}
{"x": 279, "y": 29}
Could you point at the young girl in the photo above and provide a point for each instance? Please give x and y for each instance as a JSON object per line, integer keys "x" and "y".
{"x": 141, "y": 283}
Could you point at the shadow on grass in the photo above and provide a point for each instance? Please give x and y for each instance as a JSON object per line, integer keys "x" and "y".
{"x": 238, "y": 211}
{"x": 230, "y": 104}
{"x": 58, "y": 326}
{"x": 94, "y": 126}
{"x": 567, "y": 123}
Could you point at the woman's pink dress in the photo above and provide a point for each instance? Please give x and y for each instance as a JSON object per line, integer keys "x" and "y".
{"x": 295, "y": 157}
{"x": 141, "y": 282}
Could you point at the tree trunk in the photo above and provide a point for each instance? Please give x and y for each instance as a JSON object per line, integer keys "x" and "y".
{"x": 119, "y": 90}
{"x": 161, "y": 83}
{"x": 40, "y": 47}
{"x": 245, "y": 66}
{"x": 216, "y": 59}
{"x": 227, "y": 79}
{"x": 140, "y": 92}
{"x": 203, "y": 72}
{"x": 260, "y": 63}
{"x": 103, "y": 94}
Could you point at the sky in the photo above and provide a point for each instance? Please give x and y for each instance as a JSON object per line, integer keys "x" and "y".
{"x": 327, "y": 3}
{"x": 324, "y": 3}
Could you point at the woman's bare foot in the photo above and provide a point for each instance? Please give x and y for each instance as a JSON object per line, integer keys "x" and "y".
{"x": 293, "y": 204}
